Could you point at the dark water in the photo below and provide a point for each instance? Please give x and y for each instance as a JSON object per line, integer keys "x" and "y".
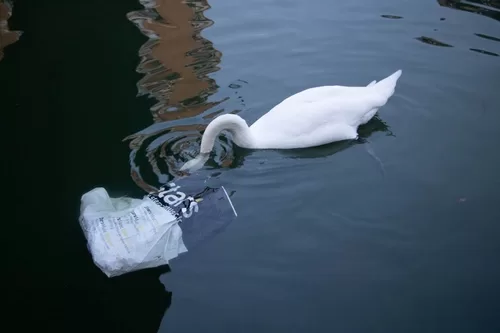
{"x": 396, "y": 233}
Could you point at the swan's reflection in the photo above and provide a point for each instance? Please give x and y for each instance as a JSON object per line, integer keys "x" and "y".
{"x": 364, "y": 131}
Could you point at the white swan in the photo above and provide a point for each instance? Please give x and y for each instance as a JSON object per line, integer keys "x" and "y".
{"x": 312, "y": 117}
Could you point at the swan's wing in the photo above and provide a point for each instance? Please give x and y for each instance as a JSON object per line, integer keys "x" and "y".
{"x": 309, "y": 123}
{"x": 324, "y": 92}
{"x": 320, "y": 93}
{"x": 347, "y": 107}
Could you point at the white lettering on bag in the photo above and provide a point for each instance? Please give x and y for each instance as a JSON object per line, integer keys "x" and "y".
{"x": 173, "y": 197}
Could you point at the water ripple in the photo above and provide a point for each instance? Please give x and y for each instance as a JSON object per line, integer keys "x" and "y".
{"x": 158, "y": 152}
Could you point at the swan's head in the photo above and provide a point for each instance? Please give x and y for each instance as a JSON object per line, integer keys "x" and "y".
{"x": 196, "y": 163}
{"x": 236, "y": 125}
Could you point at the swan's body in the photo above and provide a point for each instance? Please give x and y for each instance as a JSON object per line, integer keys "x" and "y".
{"x": 312, "y": 117}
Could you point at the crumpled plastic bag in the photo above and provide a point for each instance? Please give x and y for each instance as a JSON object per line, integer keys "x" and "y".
{"x": 127, "y": 234}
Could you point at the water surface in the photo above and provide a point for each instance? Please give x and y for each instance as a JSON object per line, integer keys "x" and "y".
{"x": 397, "y": 232}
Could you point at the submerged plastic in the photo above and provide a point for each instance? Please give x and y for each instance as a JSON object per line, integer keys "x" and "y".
{"x": 127, "y": 234}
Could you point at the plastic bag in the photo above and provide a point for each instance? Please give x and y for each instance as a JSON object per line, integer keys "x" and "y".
{"x": 126, "y": 234}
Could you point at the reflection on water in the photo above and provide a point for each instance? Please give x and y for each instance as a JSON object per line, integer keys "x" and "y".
{"x": 179, "y": 69}
{"x": 432, "y": 41}
{"x": 364, "y": 131}
{"x": 158, "y": 151}
{"x": 485, "y": 52}
{"x": 495, "y": 39}
{"x": 176, "y": 62}
{"x": 488, "y": 37}
{"x": 490, "y": 8}
{"x": 7, "y": 37}
{"x": 394, "y": 17}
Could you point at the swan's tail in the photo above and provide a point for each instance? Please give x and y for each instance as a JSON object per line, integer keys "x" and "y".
{"x": 387, "y": 85}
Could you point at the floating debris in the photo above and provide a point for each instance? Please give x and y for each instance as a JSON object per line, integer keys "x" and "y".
{"x": 488, "y": 37}
{"x": 490, "y": 8}
{"x": 432, "y": 41}
{"x": 485, "y": 52}
{"x": 394, "y": 17}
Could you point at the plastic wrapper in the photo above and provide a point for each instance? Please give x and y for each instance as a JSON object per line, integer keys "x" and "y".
{"x": 127, "y": 234}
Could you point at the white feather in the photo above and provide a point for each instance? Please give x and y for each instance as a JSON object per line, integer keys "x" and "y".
{"x": 309, "y": 118}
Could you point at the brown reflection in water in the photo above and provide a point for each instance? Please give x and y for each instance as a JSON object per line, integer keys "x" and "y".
{"x": 7, "y": 37}
{"x": 177, "y": 61}
{"x": 490, "y": 8}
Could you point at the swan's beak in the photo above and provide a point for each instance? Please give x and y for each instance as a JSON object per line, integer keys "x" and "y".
{"x": 196, "y": 163}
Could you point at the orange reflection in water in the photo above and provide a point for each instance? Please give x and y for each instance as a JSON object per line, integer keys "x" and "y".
{"x": 177, "y": 60}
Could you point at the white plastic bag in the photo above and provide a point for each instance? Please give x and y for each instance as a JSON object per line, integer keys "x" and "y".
{"x": 126, "y": 234}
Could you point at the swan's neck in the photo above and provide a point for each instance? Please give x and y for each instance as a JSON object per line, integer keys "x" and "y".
{"x": 234, "y": 124}
{"x": 239, "y": 129}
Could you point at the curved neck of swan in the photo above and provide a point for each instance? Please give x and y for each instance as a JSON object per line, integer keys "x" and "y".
{"x": 234, "y": 124}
